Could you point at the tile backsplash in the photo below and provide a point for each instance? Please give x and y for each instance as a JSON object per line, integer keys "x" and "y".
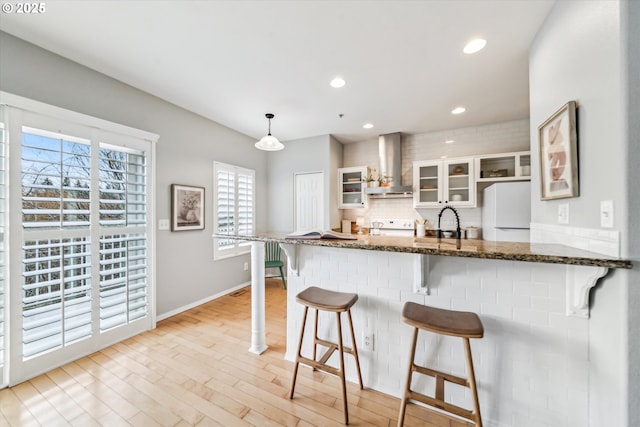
{"x": 471, "y": 141}
{"x": 403, "y": 209}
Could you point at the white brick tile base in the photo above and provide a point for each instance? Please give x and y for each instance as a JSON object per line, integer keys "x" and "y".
{"x": 532, "y": 364}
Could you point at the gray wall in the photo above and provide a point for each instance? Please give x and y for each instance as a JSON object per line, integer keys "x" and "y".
{"x": 630, "y": 14}
{"x": 188, "y": 145}
{"x": 336, "y": 150}
{"x": 315, "y": 154}
{"x": 580, "y": 53}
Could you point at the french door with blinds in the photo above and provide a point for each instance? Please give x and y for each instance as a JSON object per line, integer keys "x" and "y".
{"x": 81, "y": 267}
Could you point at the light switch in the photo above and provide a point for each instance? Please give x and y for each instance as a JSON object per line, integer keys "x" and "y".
{"x": 163, "y": 224}
{"x": 563, "y": 213}
{"x": 606, "y": 214}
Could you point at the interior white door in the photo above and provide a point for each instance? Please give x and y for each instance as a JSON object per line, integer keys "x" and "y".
{"x": 309, "y": 201}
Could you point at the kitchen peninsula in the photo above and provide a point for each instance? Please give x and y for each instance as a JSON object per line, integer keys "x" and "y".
{"x": 533, "y": 300}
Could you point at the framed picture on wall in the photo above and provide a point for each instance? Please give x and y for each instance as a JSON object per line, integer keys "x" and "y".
{"x": 187, "y": 207}
{"x": 558, "y": 141}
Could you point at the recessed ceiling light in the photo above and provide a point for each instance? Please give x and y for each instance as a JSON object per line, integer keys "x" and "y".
{"x": 443, "y": 157}
{"x": 337, "y": 82}
{"x": 449, "y": 141}
{"x": 458, "y": 110}
{"x": 367, "y": 126}
{"x": 475, "y": 45}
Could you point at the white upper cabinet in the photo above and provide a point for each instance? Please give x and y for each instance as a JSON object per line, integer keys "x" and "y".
{"x": 440, "y": 182}
{"x": 504, "y": 167}
{"x": 351, "y": 185}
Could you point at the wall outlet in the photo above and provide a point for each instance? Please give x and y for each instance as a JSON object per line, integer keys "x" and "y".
{"x": 163, "y": 224}
{"x": 245, "y": 267}
{"x": 606, "y": 214}
{"x": 563, "y": 213}
{"x": 368, "y": 341}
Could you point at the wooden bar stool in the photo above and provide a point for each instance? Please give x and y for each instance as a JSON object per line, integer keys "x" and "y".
{"x": 446, "y": 322}
{"x": 337, "y": 302}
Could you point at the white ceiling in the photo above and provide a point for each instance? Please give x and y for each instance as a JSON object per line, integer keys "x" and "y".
{"x": 234, "y": 61}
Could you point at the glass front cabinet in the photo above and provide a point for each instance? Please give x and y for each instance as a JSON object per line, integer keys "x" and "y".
{"x": 441, "y": 182}
{"x": 351, "y": 185}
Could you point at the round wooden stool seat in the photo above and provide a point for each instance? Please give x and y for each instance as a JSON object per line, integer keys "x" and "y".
{"x": 322, "y": 299}
{"x": 445, "y": 322}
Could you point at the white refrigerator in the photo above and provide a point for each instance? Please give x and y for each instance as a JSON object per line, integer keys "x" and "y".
{"x": 506, "y": 211}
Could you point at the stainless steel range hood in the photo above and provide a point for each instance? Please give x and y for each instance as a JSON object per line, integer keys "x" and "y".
{"x": 390, "y": 168}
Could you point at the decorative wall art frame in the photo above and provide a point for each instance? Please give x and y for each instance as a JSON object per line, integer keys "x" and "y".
{"x": 187, "y": 207}
{"x": 558, "y": 141}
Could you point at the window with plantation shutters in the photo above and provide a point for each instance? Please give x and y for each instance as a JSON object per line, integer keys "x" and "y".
{"x": 234, "y": 209}
{"x": 57, "y": 174}
{"x": 81, "y": 264}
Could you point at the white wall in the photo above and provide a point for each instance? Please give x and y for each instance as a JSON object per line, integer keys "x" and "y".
{"x": 470, "y": 141}
{"x": 188, "y": 144}
{"x": 315, "y": 154}
{"x": 580, "y": 53}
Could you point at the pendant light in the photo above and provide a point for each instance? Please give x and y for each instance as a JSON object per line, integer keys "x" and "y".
{"x": 269, "y": 142}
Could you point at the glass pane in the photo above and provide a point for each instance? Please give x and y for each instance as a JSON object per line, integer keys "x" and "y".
{"x": 56, "y": 174}
{"x": 428, "y": 176}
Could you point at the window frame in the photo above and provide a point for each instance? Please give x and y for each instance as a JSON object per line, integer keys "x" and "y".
{"x": 235, "y": 247}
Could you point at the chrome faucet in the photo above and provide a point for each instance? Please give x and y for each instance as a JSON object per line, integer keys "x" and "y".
{"x": 458, "y": 232}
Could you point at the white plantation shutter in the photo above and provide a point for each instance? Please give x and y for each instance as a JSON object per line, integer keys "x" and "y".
{"x": 3, "y": 313}
{"x": 123, "y": 256}
{"x": 56, "y": 186}
{"x": 56, "y": 299}
{"x": 123, "y": 280}
{"x": 245, "y": 203}
{"x": 234, "y": 208}
{"x": 225, "y": 211}
{"x": 122, "y": 187}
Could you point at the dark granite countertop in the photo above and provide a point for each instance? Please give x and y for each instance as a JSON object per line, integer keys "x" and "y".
{"x": 529, "y": 252}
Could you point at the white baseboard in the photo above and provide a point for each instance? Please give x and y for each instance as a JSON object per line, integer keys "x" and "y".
{"x": 202, "y": 301}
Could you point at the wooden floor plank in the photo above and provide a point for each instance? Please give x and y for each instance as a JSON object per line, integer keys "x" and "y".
{"x": 47, "y": 388}
{"x": 194, "y": 370}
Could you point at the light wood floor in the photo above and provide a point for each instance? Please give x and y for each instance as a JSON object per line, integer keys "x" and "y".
{"x": 194, "y": 370}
